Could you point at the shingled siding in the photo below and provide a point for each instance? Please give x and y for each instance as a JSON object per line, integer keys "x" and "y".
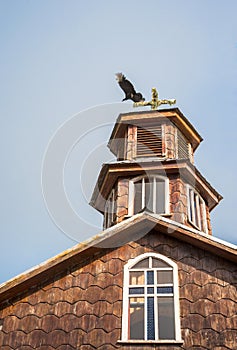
{"x": 178, "y": 200}
{"x": 122, "y": 199}
{"x": 82, "y": 309}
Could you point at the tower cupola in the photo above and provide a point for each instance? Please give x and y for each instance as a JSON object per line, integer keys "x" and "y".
{"x": 164, "y": 134}
{"x": 154, "y": 171}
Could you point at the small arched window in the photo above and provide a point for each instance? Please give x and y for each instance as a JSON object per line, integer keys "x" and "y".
{"x": 151, "y": 192}
{"x": 151, "y": 300}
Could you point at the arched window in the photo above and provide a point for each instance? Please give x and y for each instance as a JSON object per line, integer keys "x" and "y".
{"x": 197, "y": 210}
{"x": 151, "y": 192}
{"x": 151, "y": 300}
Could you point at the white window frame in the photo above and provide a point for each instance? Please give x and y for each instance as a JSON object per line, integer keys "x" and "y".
{"x": 125, "y": 316}
{"x": 131, "y": 195}
{"x": 109, "y": 209}
{"x": 196, "y": 210}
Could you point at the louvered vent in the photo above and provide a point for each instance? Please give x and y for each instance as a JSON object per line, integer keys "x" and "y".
{"x": 183, "y": 146}
{"x": 149, "y": 141}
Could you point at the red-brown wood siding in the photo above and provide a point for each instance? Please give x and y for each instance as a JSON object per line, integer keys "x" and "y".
{"x": 82, "y": 309}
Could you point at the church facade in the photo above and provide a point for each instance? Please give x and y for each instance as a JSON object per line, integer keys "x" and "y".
{"x": 155, "y": 277}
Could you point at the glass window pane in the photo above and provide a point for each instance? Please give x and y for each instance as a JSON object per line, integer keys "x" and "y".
{"x": 142, "y": 263}
{"x": 164, "y": 277}
{"x": 137, "y": 196}
{"x": 150, "y": 277}
{"x": 136, "y": 308}
{"x": 158, "y": 263}
{"x": 195, "y": 210}
{"x": 150, "y": 290}
{"x": 136, "y": 290}
{"x": 136, "y": 277}
{"x": 165, "y": 290}
{"x": 160, "y": 196}
{"x": 149, "y": 194}
{"x": 166, "y": 323}
{"x": 150, "y": 319}
{"x": 191, "y": 199}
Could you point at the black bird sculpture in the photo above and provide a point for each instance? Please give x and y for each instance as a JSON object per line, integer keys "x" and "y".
{"x": 127, "y": 87}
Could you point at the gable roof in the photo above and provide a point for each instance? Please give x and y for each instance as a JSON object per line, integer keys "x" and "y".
{"x": 128, "y": 230}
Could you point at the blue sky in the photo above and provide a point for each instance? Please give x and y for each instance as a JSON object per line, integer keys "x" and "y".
{"x": 58, "y": 58}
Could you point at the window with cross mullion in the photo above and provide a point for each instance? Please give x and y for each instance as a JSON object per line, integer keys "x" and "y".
{"x": 152, "y": 304}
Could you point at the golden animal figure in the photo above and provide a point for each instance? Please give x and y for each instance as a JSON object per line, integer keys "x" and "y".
{"x": 155, "y": 102}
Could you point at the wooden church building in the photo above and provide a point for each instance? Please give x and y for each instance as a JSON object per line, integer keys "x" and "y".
{"x": 155, "y": 277}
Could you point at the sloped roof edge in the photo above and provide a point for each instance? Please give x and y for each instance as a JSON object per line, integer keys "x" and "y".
{"x": 128, "y": 230}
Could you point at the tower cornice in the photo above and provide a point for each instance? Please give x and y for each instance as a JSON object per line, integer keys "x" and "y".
{"x": 111, "y": 172}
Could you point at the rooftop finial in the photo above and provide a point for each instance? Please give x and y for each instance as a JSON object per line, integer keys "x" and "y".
{"x": 155, "y": 102}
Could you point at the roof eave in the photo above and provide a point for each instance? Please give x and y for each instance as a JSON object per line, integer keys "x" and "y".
{"x": 131, "y": 229}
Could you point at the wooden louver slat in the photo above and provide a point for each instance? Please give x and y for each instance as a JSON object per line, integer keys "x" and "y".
{"x": 149, "y": 141}
{"x": 183, "y": 146}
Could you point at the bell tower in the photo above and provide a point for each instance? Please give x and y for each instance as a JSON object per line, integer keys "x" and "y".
{"x": 154, "y": 171}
